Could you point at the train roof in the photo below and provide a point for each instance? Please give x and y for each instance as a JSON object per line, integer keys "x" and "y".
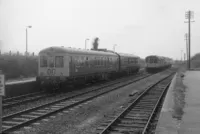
{"x": 128, "y": 55}
{"x": 55, "y": 49}
{"x": 158, "y": 57}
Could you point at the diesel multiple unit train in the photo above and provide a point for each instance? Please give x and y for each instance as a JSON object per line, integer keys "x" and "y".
{"x": 60, "y": 65}
{"x": 157, "y": 63}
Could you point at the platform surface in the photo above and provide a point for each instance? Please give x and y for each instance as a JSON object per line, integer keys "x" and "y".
{"x": 10, "y": 82}
{"x": 181, "y": 110}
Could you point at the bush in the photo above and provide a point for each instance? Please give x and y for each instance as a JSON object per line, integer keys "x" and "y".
{"x": 16, "y": 66}
{"x": 195, "y": 61}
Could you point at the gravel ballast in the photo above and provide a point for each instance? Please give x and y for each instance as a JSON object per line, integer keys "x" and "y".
{"x": 87, "y": 117}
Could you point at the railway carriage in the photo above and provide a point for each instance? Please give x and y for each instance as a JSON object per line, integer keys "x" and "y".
{"x": 129, "y": 63}
{"x": 59, "y": 65}
{"x": 157, "y": 63}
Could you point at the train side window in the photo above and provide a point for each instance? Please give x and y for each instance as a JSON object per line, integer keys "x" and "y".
{"x": 102, "y": 61}
{"x": 82, "y": 61}
{"x": 59, "y": 61}
{"x": 86, "y": 61}
{"x": 77, "y": 62}
{"x": 99, "y": 60}
{"x": 43, "y": 61}
{"x": 95, "y": 61}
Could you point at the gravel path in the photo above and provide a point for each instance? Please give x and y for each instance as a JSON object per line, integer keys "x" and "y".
{"x": 85, "y": 118}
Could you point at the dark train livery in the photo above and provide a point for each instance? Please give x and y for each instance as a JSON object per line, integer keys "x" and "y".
{"x": 58, "y": 65}
{"x": 157, "y": 63}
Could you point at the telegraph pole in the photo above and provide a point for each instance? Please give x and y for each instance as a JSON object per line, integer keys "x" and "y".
{"x": 184, "y": 56}
{"x": 186, "y": 40}
{"x": 189, "y": 15}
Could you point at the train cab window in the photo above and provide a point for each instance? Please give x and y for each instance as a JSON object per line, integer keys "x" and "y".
{"x": 136, "y": 61}
{"x": 43, "y": 61}
{"x": 59, "y": 61}
{"x": 151, "y": 60}
{"x": 51, "y": 62}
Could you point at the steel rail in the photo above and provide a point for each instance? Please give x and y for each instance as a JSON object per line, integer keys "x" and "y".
{"x": 105, "y": 130}
{"x": 64, "y": 107}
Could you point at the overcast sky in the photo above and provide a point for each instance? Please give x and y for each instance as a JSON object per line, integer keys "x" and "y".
{"x": 141, "y": 27}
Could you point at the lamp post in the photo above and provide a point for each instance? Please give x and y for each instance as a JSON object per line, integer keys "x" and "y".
{"x": 114, "y": 47}
{"x": 181, "y": 55}
{"x": 27, "y": 39}
{"x": 86, "y": 43}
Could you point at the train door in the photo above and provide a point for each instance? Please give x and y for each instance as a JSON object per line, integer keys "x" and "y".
{"x": 65, "y": 60}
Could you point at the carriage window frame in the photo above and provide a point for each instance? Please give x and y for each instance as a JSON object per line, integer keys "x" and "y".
{"x": 61, "y": 64}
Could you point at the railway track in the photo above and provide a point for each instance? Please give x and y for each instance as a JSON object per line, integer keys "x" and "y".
{"x": 22, "y": 99}
{"x": 137, "y": 116}
{"x": 23, "y": 118}
{"x": 13, "y": 101}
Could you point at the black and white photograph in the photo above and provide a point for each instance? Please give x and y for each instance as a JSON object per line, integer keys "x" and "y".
{"x": 99, "y": 67}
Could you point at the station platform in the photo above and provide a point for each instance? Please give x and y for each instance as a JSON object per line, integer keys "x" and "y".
{"x": 180, "y": 113}
{"x": 10, "y": 82}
